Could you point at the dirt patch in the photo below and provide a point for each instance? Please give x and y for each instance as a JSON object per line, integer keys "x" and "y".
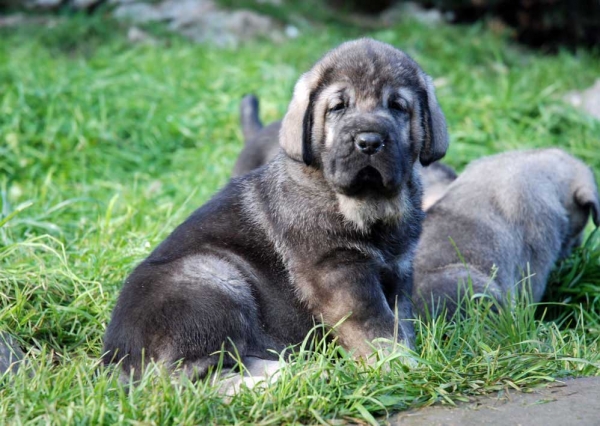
{"x": 574, "y": 401}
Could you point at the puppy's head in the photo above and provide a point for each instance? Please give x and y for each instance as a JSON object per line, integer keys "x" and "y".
{"x": 363, "y": 115}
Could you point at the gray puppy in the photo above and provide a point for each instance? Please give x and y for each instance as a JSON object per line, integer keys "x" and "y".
{"x": 518, "y": 212}
{"x": 261, "y": 146}
{"x": 325, "y": 231}
{"x": 436, "y": 179}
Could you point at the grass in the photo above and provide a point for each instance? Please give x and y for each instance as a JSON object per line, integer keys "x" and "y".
{"x": 106, "y": 147}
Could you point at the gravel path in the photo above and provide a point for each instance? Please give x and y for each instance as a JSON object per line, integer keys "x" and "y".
{"x": 572, "y": 402}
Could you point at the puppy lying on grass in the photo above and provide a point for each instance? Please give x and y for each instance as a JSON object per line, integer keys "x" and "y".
{"x": 261, "y": 146}
{"x": 519, "y": 212}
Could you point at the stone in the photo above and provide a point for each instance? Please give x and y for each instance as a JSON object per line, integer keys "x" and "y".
{"x": 16, "y": 20}
{"x": 85, "y": 4}
{"x": 138, "y": 13}
{"x": 186, "y": 12}
{"x": 292, "y": 31}
{"x": 138, "y": 36}
{"x": 225, "y": 28}
{"x": 201, "y": 21}
{"x": 10, "y": 21}
{"x": 271, "y": 2}
{"x": 44, "y": 4}
{"x": 396, "y": 13}
{"x": 586, "y": 100}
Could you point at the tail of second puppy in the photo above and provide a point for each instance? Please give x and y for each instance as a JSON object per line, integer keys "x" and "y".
{"x": 442, "y": 290}
{"x": 261, "y": 144}
{"x": 251, "y": 124}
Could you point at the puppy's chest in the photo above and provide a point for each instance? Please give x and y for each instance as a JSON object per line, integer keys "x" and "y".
{"x": 389, "y": 255}
{"x": 394, "y": 243}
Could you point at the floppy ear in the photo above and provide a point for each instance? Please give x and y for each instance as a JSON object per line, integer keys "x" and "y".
{"x": 295, "y": 136}
{"x": 586, "y": 196}
{"x": 435, "y": 133}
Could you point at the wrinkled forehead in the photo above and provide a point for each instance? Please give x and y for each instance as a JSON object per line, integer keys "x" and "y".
{"x": 369, "y": 72}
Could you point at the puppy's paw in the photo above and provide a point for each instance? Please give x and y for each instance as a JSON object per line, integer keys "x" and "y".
{"x": 389, "y": 353}
{"x": 255, "y": 372}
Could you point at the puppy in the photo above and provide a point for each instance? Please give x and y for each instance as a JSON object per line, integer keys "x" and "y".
{"x": 519, "y": 212}
{"x": 323, "y": 233}
{"x": 436, "y": 179}
{"x": 261, "y": 146}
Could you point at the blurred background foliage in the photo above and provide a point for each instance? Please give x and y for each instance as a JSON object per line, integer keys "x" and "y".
{"x": 546, "y": 24}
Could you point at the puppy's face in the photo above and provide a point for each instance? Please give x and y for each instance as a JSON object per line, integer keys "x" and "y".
{"x": 362, "y": 116}
{"x": 361, "y": 134}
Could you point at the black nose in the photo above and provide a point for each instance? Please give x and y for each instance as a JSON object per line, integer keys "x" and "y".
{"x": 369, "y": 143}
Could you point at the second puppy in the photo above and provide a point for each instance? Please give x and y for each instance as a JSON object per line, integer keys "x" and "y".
{"x": 516, "y": 212}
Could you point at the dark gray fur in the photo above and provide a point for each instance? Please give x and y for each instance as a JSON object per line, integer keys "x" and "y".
{"x": 303, "y": 239}
{"x": 11, "y": 355}
{"x": 261, "y": 146}
{"x": 516, "y": 210}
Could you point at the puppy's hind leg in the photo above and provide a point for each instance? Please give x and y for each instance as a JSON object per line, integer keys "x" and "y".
{"x": 444, "y": 288}
{"x": 183, "y": 314}
{"x": 255, "y": 371}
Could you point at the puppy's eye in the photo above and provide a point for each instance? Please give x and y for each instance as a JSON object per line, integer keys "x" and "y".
{"x": 398, "y": 104}
{"x": 337, "y": 107}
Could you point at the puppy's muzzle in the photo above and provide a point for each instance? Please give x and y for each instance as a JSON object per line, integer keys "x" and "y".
{"x": 369, "y": 143}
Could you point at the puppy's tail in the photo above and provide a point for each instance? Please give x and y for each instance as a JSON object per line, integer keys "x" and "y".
{"x": 447, "y": 289}
{"x": 249, "y": 118}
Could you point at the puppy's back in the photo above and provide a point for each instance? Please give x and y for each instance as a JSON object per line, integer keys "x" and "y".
{"x": 512, "y": 210}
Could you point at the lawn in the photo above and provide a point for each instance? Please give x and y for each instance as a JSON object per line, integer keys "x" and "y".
{"x": 105, "y": 147}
